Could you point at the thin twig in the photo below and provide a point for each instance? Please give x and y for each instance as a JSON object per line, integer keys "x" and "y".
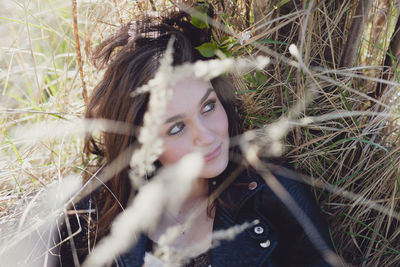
{"x": 350, "y": 50}
{"x": 78, "y": 49}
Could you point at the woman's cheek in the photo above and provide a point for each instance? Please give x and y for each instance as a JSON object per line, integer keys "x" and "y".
{"x": 173, "y": 152}
{"x": 219, "y": 123}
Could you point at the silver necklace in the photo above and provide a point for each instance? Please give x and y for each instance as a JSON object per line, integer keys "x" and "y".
{"x": 182, "y": 224}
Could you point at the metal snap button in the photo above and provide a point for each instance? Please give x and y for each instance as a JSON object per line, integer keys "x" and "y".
{"x": 265, "y": 244}
{"x": 252, "y": 185}
{"x": 258, "y": 230}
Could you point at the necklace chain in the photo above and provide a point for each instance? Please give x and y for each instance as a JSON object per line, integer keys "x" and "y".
{"x": 182, "y": 224}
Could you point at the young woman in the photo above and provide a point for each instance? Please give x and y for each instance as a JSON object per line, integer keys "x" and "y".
{"x": 201, "y": 117}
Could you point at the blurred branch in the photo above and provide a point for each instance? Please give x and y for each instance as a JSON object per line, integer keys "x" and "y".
{"x": 248, "y": 12}
{"x": 153, "y": 6}
{"x": 262, "y": 11}
{"x": 78, "y": 49}
{"x": 392, "y": 56}
{"x": 350, "y": 50}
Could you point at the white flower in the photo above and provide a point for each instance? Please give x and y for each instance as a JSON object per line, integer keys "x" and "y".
{"x": 294, "y": 51}
{"x": 244, "y": 37}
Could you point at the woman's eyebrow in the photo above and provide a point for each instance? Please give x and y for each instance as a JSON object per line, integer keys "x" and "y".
{"x": 180, "y": 116}
{"x": 173, "y": 118}
{"x": 209, "y": 90}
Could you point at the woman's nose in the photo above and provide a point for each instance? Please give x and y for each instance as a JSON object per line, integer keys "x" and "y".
{"x": 203, "y": 136}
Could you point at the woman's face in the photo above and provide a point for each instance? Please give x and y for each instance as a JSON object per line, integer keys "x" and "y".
{"x": 195, "y": 120}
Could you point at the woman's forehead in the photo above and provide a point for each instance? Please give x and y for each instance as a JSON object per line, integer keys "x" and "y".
{"x": 192, "y": 85}
{"x": 188, "y": 95}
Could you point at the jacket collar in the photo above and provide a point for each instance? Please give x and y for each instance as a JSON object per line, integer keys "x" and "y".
{"x": 246, "y": 249}
{"x": 246, "y": 185}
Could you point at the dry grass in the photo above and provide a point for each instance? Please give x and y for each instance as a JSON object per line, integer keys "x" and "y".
{"x": 357, "y": 153}
{"x": 41, "y": 82}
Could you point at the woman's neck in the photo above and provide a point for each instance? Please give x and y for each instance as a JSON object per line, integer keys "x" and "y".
{"x": 199, "y": 189}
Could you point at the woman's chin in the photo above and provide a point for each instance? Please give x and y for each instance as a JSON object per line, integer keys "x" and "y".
{"x": 213, "y": 169}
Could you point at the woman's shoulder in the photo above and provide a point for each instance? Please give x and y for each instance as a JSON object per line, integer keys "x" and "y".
{"x": 262, "y": 194}
{"x": 135, "y": 255}
{"x": 283, "y": 193}
{"x": 272, "y": 177}
{"x": 76, "y": 232}
{"x": 292, "y": 210}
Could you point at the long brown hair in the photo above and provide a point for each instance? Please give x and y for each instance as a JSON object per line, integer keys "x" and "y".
{"x": 131, "y": 58}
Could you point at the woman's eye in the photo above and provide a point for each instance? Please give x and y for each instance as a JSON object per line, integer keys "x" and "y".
{"x": 176, "y": 128}
{"x": 209, "y": 106}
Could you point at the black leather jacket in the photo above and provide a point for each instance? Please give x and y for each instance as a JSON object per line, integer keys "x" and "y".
{"x": 277, "y": 240}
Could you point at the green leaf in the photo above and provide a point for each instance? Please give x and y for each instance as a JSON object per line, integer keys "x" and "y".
{"x": 23, "y": 22}
{"x": 256, "y": 79}
{"x": 13, "y": 147}
{"x": 261, "y": 78}
{"x": 345, "y": 140}
{"x": 227, "y": 42}
{"x": 207, "y": 49}
{"x": 199, "y": 20}
{"x": 270, "y": 41}
{"x": 227, "y": 53}
{"x": 225, "y": 39}
{"x": 284, "y": 2}
{"x": 199, "y": 17}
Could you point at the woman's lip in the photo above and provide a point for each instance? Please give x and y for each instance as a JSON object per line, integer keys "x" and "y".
{"x": 213, "y": 155}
